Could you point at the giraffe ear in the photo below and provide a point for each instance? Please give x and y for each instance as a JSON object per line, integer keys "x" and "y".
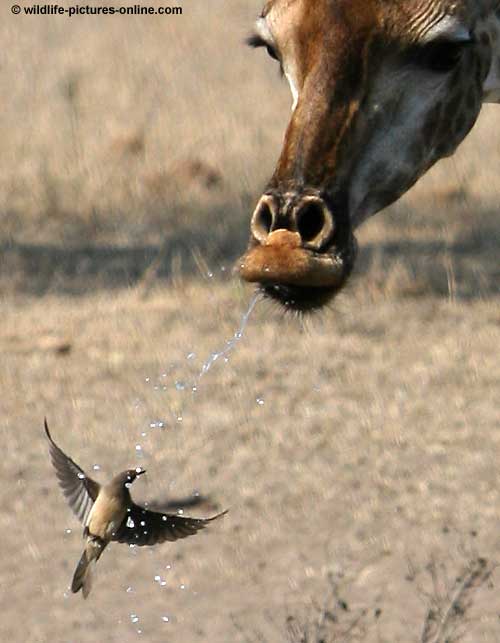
{"x": 491, "y": 87}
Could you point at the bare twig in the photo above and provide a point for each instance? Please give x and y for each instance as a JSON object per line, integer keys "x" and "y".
{"x": 442, "y": 620}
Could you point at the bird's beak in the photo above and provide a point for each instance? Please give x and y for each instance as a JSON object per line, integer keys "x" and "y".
{"x": 140, "y": 471}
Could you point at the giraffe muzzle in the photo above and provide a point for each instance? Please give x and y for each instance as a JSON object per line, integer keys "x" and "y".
{"x": 290, "y": 244}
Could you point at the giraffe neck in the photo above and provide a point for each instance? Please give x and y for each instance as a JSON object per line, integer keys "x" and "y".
{"x": 488, "y": 29}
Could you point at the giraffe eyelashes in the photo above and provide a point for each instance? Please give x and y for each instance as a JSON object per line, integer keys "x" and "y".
{"x": 257, "y": 41}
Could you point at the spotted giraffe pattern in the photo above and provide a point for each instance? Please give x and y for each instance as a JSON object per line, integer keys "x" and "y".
{"x": 382, "y": 89}
{"x": 488, "y": 29}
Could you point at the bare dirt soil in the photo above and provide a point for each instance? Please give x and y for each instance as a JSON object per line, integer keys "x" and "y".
{"x": 357, "y": 451}
{"x": 363, "y": 446}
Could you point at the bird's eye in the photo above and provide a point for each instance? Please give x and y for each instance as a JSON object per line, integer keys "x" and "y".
{"x": 442, "y": 56}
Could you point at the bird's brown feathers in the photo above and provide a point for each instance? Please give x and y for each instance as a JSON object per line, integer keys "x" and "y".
{"x": 144, "y": 527}
{"x": 79, "y": 490}
{"x": 109, "y": 513}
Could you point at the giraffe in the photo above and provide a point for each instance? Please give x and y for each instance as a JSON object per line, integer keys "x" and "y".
{"x": 382, "y": 89}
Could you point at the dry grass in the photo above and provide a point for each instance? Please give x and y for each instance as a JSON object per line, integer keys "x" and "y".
{"x": 130, "y": 147}
{"x": 375, "y": 440}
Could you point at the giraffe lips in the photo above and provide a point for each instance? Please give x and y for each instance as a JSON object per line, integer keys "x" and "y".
{"x": 283, "y": 261}
{"x": 297, "y": 268}
{"x": 297, "y": 277}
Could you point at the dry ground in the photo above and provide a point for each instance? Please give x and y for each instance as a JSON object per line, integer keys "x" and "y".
{"x": 375, "y": 446}
{"x": 359, "y": 445}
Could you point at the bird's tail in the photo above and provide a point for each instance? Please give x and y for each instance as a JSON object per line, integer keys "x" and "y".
{"x": 82, "y": 578}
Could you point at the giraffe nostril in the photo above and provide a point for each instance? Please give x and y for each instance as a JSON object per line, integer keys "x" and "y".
{"x": 314, "y": 222}
{"x": 262, "y": 220}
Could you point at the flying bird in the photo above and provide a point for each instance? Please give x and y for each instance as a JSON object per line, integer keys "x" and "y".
{"x": 108, "y": 513}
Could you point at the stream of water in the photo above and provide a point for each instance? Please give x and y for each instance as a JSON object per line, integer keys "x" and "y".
{"x": 231, "y": 343}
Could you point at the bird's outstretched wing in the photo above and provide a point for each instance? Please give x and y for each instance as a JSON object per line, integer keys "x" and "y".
{"x": 79, "y": 490}
{"x": 144, "y": 527}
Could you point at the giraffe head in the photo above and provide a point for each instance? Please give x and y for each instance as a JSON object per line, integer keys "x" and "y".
{"x": 381, "y": 89}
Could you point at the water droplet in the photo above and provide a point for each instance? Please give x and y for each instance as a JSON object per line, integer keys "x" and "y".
{"x": 160, "y": 424}
{"x": 67, "y": 531}
{"x": 182, "y": 586}
{"x": 134, "y": 618}
{"x": 148, "y": 379}
{"x": 143, "y": 434}
{"x": 260, "y": 401}
{"x": 138, "y": 447}
{"x": 232, "y": 342}
{"x": 157, "y": 578}
{"x": 96, "y": 467}
{"x": 165, "y": 619}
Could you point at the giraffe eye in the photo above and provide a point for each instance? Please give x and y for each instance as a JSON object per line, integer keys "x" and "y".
{"x": 257, "y": 41}
{"x": 442, "y": 56}
{"x": 272, "y": 52}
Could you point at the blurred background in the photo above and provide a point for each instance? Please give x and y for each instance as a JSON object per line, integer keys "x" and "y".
{"x": 133, "y": 152}
{"x": 125, "y": 137}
